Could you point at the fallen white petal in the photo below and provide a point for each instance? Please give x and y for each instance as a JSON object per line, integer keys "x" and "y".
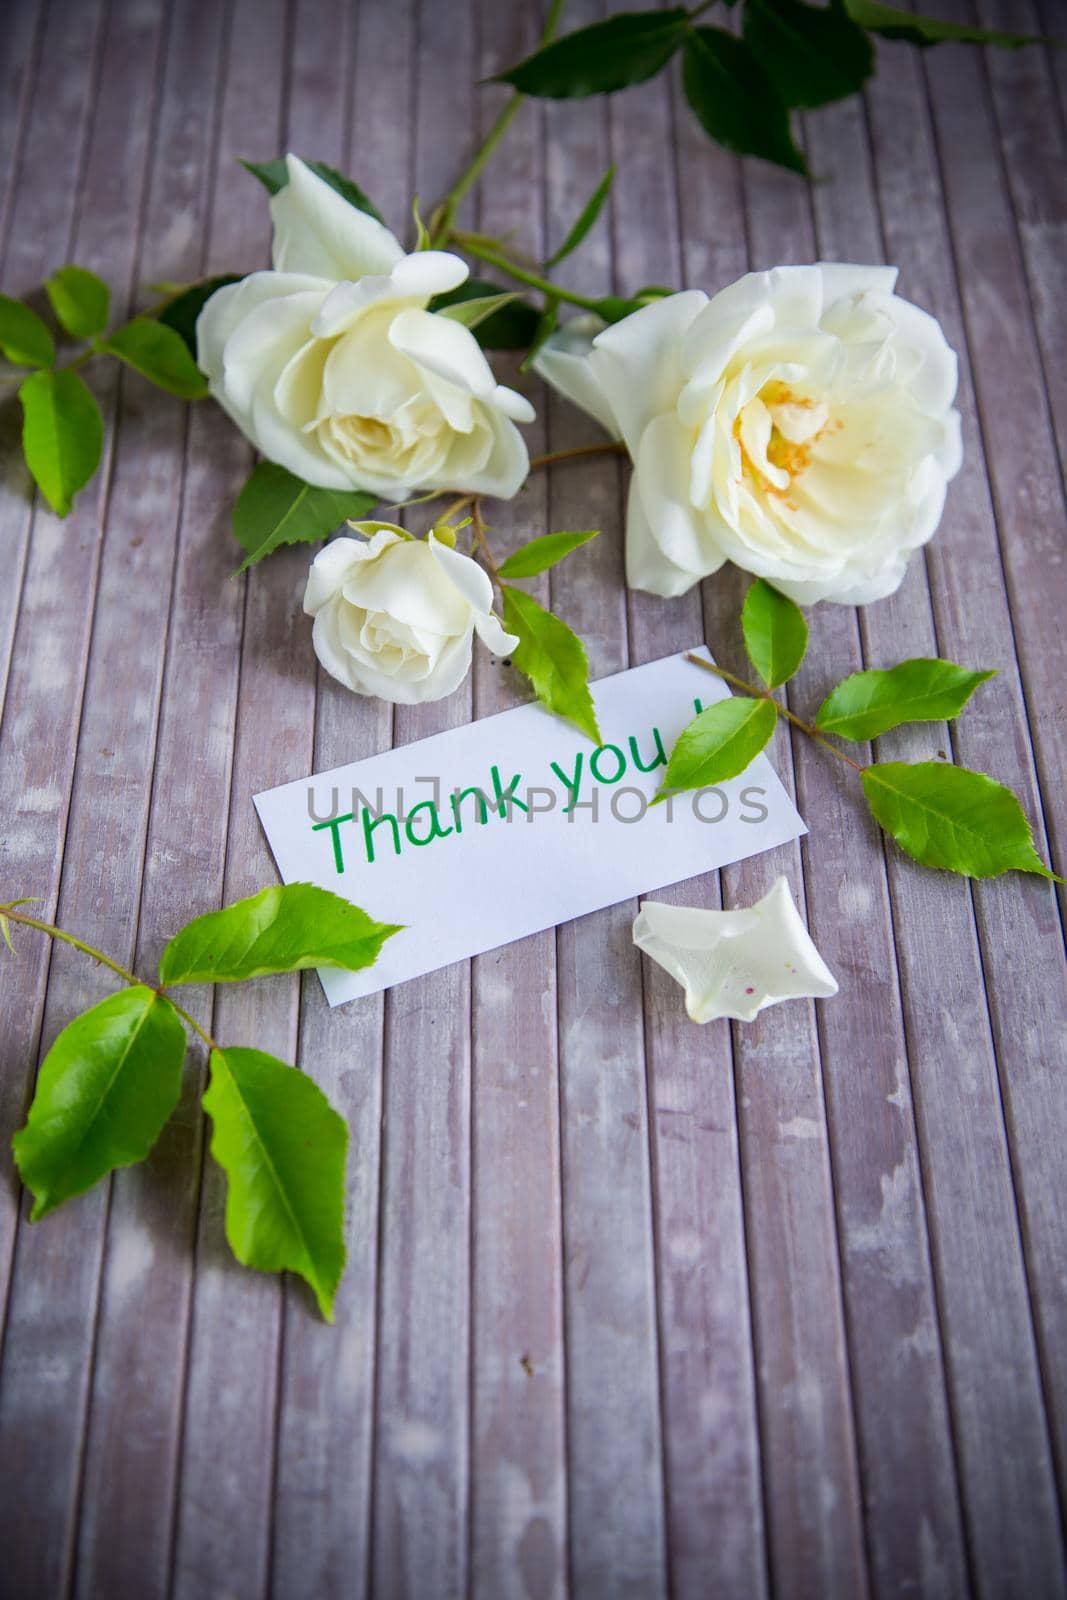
{"x": 734, "y": 963}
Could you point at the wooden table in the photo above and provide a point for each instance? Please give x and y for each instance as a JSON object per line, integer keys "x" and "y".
{"x": 633, "y": 1307}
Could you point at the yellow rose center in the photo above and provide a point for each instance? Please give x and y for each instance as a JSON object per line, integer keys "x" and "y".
{"x": 777, "y": 431}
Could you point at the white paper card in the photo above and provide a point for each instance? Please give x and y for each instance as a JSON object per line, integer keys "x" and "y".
{"x": 516, "y": 823}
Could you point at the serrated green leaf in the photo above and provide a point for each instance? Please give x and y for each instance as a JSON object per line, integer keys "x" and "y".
{"x": 276, "y": 508}
{"x": 24, "y": 338}
{"x": 511, "y": 327}
{"x": 606, "y": 56}
{"x": 80, "y": 300}
{"x": 282, "y": 929}
{"x": 776, "y": 635}
{"x": 892, "y": 23}
{"x": 540, "y": 554}
{"x": 62, "y": 435}
{"x": 812, "y": 54}
{"x": 870, "y": 703}
{"x": 274, "y": 175}
{"x": 159, "y": 354}
{"x": 735, "y": 100}
{"x": 282, "y": 1147}
{"x": 953, "y": 818}
{"x": 181, "y": 312}
{"x": 586, "y": 219}
{"x": 719, "y": 744}
{"x": 5, "y": 929}
{"x": 473, "y": 312}
{"x": 553, "y": 657}
{"x": 104, "y": 1091}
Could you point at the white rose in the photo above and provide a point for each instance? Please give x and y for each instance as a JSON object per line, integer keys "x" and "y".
{"x": 799, "y": 424}
{"x": 333, "y": 367}
{"x": 395, "y": 616}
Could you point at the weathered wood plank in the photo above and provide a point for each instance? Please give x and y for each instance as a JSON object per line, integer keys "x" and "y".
{"x": 1026, "y": 112}
{"x": 225, "y": 1483}
{"x": 18, "y": 76}
{"x": 715, "y": 1536}
{"x": 420, "y": 1536}
{"x": 40, "y": 221}
{"x": 914, "y": 1532}
{"x": 55, "y": 687}
{"x": 518, "y": 1449}
{"x": 811, "y": 1480}
{"x": 356, "y": 119}
{"x": 613, "y": 1403}
{"x": 131, "y": 1446}
{"x": 994, "y": 1383}
{"x": 716, "y": 1523}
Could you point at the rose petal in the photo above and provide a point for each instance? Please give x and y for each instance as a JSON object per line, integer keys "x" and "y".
{"x": 316, "y": 230}
{"x": 638, "y": 361}
{"x": 563, "y": 362}
{"x": 735, "y": 963}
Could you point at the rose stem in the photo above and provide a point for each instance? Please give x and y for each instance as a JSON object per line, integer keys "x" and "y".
{"x": 537, "y": 462}
{"x": 89, "y": 950}
{"x": 765, "y": 694}
{"x": 445, "y": 212}
{"x": 478, "y": 526}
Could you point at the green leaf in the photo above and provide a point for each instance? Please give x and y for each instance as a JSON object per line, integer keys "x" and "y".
{"x": 422, "y": 232}
{"x": 159, "y": 354}
{"x": 282, "y": 1147}
{"x": 776, "y": 635}
{"x": 80, "y": 300}
{"x": 719, "y": 743}
{"x": 546, "y": 327}
{"x": 589, "y": 213}
{"x": 274, "y": 175}
{"x": 870, "y": 703}
{"x": 181, "y": 312}
{"x": 812, "y": 54}
{"x": 953, "y": 818}
{"x": 540, "y": 554}
{"x": 511, "y": 327}
{"x": 735, "y": 100}
{"x": 282, "y": 929}
{"x": 602, "y": 58}
{"x": 62, "y": 435}
{"x": 553, "y": 658}
{"x": 473, "y": 312}
{"x": 24, "y": 338}
{"x": 104, "y": 1091}
{"x": 893, "y": 23}
{"x": 276, "y": 508}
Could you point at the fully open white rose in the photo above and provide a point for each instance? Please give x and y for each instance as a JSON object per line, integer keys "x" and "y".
{"x": 396, "y": 616}
{"x": 800, "y": 424}
{"x": 334, "y": 368}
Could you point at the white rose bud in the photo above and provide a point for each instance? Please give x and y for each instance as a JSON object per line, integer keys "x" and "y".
{"x": 799, "y": 424}
{"x": 396, "y": 616}
{"x": 333, "y": 367}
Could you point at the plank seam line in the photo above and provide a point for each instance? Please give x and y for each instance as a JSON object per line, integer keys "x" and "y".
{"x": 564, "y": 1352}
{"x": 755, "y": 1328}
{"x": 388, "y": 1004}
{"x": 294, "y": 988}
